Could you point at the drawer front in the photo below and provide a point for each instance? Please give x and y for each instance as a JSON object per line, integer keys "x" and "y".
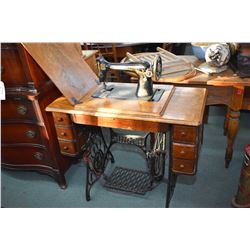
{"x": 61, "y": 119}
{"x": 68, "y": 148}
{"x": 65, "y": 133}
{"x": 18, "y": 109}
{"x": 185, "y": 134}
{"x": 184, "y": 151}
{"x": 25, "y": 155}
{"x": 21, "y": 133}
{"x": 182, "y": 166}
{"x": 11, "y": 66}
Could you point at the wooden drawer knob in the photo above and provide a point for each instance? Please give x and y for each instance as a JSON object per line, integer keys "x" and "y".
{"x": 182, "y": 165}
{"x": 63, "y": 133}
{"x": 21, "y": 110}
{"x": 65, "y": 148}
{"x": 182, "y": 152}
{"x": 60, "y": 119}
{"x": 183, "y": 133}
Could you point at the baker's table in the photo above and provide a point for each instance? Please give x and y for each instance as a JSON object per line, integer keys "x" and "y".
{"x": 179, "y": 112}
{"x": 225, "y": 88}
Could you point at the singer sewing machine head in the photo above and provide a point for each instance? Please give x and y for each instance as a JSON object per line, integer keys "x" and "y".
{"x": 145, "y": 72}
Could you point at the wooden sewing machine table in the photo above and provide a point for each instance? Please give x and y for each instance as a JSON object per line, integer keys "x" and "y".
{"x": 179, "y": 112}
{"x": 79, "y": 117}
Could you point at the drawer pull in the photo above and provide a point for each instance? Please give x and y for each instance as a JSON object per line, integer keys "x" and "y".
{"x": 22, "y": 110}
{"x": 38, "y": 156}
{"x": 30, "y": 134}
{"x": 60, "y": 119}
{"x": 63, "y": 133}
{"x": 182, "y": 152}
{"x": 65, "y": 148}
{"x": 183, "y": 133}
{"x": 182, "y": 165}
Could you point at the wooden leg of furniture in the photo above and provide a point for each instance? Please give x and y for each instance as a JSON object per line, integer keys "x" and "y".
{"x": 60, "y": 178}
{"x": 206, "y": 113}
{"x": 226, "y": 121}
{"x": 233, "y": 124}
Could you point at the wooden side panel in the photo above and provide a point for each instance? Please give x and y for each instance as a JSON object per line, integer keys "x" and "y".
{"x": 11, "y": 67}
{"x": 64, "y": 65}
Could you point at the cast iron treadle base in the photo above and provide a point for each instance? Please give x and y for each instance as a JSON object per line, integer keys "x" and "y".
{"x": 129, "y": 180}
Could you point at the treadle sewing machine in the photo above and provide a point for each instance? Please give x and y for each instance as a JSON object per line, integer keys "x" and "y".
{"x": 154, "y": 109}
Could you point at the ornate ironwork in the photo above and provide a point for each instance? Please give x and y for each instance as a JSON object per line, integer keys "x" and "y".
{"x": 95, "y": 155}
{"x": 153, "y": 145}
{"x": 172, "y": 177}
{"x": 156, "y": 156}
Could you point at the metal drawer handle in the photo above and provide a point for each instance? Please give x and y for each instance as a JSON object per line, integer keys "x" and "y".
{"x": 65, "y": 148}
{"x": 30, "y": 134}
{"x": 38, "y": 156}
{"x": 182, "y": 166}
{"x": 22, "y": 110}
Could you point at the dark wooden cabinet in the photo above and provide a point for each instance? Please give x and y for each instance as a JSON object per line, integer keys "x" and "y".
{"x": 29, "y": 138}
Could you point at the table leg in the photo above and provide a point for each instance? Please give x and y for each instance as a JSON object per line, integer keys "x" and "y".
{"x": 233, "y": 124}
{"x": 95, "y": 155}
{"x": 206, "y": 114}
{"x": 226, "y": 121}
{"x": 172, "y": 177}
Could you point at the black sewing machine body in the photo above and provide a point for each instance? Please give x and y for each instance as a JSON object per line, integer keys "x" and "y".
{"x": 143, "y": 90}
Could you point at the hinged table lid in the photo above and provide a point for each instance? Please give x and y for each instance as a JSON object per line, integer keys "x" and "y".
{"x": 64, "y": 64}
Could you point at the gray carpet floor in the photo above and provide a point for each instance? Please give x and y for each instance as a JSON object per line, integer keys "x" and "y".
{"x": 213, "y": 186}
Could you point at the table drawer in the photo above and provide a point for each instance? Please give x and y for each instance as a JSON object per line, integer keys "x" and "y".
{"x": 21, "y": 133}
{"x": 185, "y": 134}
{"x": 65, "y": 133}
{"x": 73, "y": 132}
{"x": 61, "y": 119}
{"x": 182, "y": 166}
{"x": 184, "y": 151}
{"x": 25, "y": 155}
{"x": 18, "y": 108}
{"x": 68, "y": 148}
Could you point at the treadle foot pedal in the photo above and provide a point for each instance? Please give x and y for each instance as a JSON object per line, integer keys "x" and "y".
{"x": 129, "y": 181}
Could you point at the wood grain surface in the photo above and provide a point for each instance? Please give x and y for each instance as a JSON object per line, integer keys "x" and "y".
{"x": 185, "y": 107}
{"x": 64, "y": 64}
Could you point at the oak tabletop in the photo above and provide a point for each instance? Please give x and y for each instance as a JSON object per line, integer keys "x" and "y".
{"x": 185, "y": 106}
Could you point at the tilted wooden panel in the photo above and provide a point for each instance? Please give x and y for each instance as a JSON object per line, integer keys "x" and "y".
{"x": 64, "y": 64}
